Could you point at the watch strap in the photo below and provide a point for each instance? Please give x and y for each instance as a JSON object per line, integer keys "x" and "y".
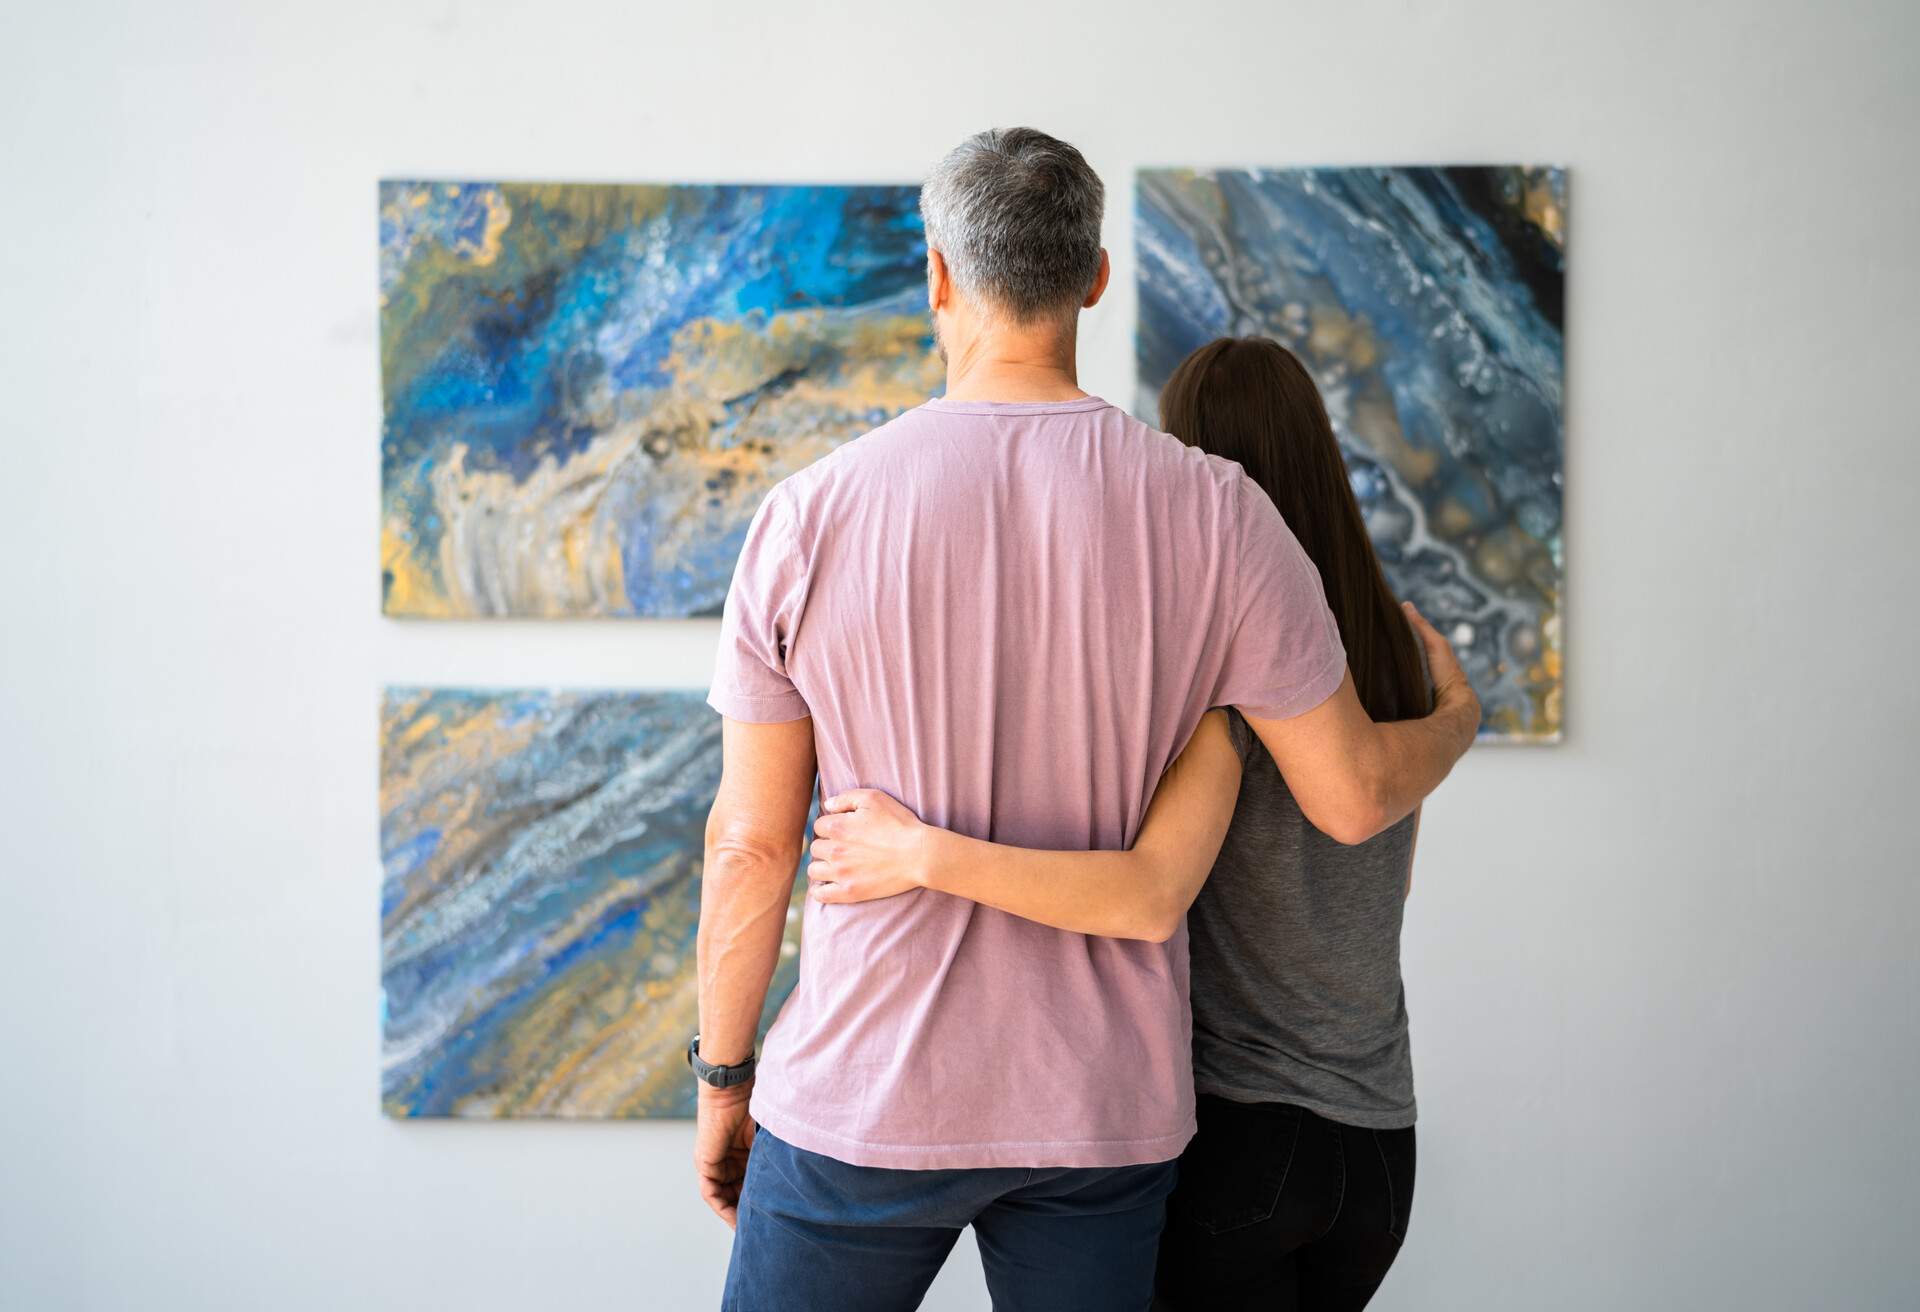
{"x": 720, "y": 1077}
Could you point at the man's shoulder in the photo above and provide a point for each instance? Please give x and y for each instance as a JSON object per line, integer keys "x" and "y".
{"x": 851, "y": 458}
{"x": 1202, "y": 471}
{"x": 1202, "y": 467}
{"x": 898, "y": 449}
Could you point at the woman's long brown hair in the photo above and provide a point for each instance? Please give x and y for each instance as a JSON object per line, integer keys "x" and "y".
{"x": 1250, "y": 400}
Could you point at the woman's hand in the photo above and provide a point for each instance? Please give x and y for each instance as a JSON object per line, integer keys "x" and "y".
{"x": 867, "y": 846}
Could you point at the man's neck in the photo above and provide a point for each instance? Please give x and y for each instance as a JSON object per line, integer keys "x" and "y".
{"x": 1033, "y": 367}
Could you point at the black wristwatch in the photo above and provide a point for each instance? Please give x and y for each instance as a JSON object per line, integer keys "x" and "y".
{"x": 720, "y": 1077}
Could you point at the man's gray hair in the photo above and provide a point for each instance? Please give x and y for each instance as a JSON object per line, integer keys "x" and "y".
{"x": 1016, "y": 214}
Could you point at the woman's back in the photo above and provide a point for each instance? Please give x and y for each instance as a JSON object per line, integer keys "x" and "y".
{"x": 1295, "y": 943}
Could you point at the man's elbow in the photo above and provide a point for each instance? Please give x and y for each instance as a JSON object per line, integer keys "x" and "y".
{"x": 745, "y": 882}
{"x": 1357, "y": 815}
{"x": 739, "y": 850}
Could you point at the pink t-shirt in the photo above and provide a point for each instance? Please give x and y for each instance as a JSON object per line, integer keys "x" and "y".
{"x": 1010, "y": 617}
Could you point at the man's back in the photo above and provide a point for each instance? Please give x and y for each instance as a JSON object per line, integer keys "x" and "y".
{"x": 1010, "y": 617}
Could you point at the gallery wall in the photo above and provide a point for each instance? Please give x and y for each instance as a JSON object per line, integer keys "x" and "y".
{"x": 1661, "y": 975}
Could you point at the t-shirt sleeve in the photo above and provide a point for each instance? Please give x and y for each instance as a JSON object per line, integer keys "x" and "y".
{"x": 750, "y": 677}
{"x": 1284, "y": 655}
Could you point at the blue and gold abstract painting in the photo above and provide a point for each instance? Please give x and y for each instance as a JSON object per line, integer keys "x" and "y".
{"x": 587, "y": 389}
{"x": 542, "y": 857}
{"x": 1427, "y": 302}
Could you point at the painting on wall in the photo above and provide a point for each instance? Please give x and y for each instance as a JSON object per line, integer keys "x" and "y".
{"x": 1427, "y": 302}
{"x": 541, "y": 894}
{"x": 587, "y": 389}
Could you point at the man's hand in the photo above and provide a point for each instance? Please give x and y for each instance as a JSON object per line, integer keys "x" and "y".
{"x": 866, "y": 845}
{"x": 722, "y": 1138}
{"x": 1451, "y": 691}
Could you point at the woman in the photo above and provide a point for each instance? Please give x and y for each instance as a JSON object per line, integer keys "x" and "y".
{"x": 1296, "y": 1191}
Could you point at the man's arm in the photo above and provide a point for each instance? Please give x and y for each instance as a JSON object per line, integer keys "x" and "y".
{"x": 1354, "y": 778}
{"x": 753, "y": 851}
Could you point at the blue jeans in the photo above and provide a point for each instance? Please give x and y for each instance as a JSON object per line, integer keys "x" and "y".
{"x": 817, "y": 1235}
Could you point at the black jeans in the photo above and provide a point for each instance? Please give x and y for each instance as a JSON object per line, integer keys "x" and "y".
{"x": 1280, "y": 1209}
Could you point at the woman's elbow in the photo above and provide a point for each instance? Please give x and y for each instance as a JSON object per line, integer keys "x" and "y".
{"x": 1157, "y": 931}
{"x": 1143, "y": 923}
{"x": 1158, "y": 922}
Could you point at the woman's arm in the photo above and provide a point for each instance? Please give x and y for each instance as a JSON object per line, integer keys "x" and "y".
{"x": 867, "y": 845}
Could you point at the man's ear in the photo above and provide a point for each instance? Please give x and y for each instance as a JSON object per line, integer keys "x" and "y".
{"x": 1099, "y": 282}
{"x": 939, "y": 281}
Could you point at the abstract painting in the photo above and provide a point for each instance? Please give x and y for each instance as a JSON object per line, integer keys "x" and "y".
{"x": 542, "y": 856}
{"x": 1427, "y": 302}
{"x": 588, "y": 389}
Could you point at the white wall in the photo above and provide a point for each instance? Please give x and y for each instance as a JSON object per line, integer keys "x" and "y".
{"x": 1662, "y": 977}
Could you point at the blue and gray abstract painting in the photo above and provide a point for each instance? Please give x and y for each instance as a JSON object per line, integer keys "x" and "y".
{"x": 1427, "y": 303}
{"x": 588, "y": 389}
{"x": 542, "y": 857}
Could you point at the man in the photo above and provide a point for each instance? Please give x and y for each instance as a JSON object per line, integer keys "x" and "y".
{"x": 1008, "y": 608}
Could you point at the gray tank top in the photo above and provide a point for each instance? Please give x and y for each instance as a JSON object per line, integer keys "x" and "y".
{"x": 1296, "y": 960}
